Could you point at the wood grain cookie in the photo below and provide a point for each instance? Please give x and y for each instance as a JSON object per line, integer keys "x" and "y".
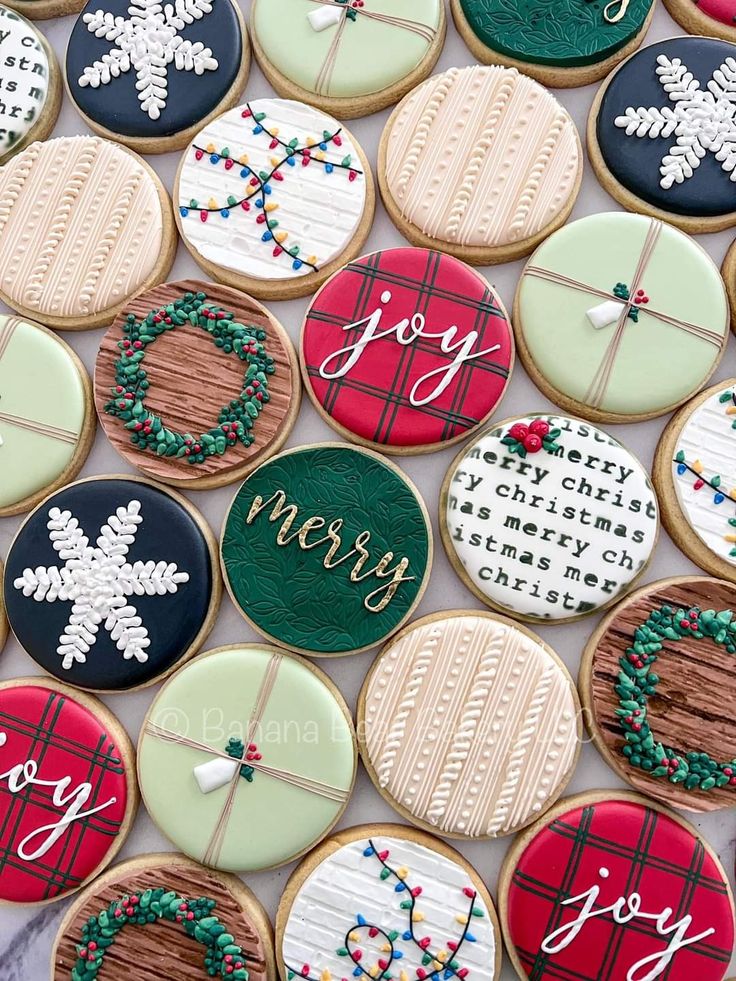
{"x": 657, "y": 681}
{"x": 155, "y": 935}
{"x": 209, "y": 401}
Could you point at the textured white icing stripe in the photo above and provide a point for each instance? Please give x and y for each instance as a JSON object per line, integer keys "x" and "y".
{"x": 346, "y": 883}
{"x": 80, "y": 226}
{"x": 481, "y": 156}
{"x": 470, "y": 725}
{"x": 707, "y": 437}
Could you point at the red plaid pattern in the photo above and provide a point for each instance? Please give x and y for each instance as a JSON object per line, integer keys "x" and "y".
{"x": 64, "y": 739}
{"x": 645, "y": 852}
{"x": 372, "y": 399}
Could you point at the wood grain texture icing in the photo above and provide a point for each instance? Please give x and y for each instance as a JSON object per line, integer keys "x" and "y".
{"x": 469, "y": 724}
{"x": 481, "y": 156}
{"x": 81, "y": 227}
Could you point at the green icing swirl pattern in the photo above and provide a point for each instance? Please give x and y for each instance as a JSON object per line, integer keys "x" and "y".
{"x": 563, "y": 33}
{"x": 286, "y": 590}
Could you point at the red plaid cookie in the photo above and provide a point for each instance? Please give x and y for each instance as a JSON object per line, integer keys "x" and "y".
{"x": 406, "y": 349}
{"x": 64, "y": 791}
{"x": 616, "y": 890}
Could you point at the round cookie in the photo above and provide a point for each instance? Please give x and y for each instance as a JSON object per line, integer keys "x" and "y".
{"x": 47, "y": 422}
{"x": 629, "y": 293}
{"x": 207, "y": 419}
{"x": 150, "y": 75}
{"x": 713, "y": 18}
{"x": 479, "y": 162}
{"x": 469, "y": 725}
{"x": 3, "y": 618}
{"x": 659, "y": 133}
{"x": 380, "y": 894}
{"x": 84, "y": 226}
{"x": 728, "y": 271}
{"x": 695, "y": 478}
{"x": 406, "y": 351}
{"x": 570, "y": 44}
{"x": 30, "y": 84}
{"x": 340, "y": 592}
{"x": 247, "y": 737}
{"x": 548, "y": 518}
{"x": 68, "y": 794}
{"x": 611, "y": 885}
{"x": 273, "y": 197}
{"x": 111, "y": 582}
{"x": 43, "y": 9}
{"x": 153, "y": 897}
{"x": 655, "y": 680}
{"x": 348, "y": 57}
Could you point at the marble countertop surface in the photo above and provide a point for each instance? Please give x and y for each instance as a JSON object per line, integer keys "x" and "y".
{"x": 26, "y": 934}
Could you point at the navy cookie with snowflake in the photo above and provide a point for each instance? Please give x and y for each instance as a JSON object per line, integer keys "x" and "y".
{"x": 111, "y": 582}
{"x": 666, "y": 129}
{"x": 147, "y": 73}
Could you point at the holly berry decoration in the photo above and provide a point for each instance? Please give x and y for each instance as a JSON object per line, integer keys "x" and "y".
{"x": 249, "y": 754}
{"x": 223, "y": 958}
{"x": 621, "y": 290}
{"x": 523, "y": 438}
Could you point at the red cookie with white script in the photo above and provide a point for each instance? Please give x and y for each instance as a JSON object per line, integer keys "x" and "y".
{"x": 610, "y": 886}
{"x": 406, "y": 351}
{"x": 67, "y": 789}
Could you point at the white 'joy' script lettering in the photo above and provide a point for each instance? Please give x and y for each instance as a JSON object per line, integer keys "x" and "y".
{"x": 407, "y": 331}
{"x": 22, "y": 775}
{"x": 623, "y": 910}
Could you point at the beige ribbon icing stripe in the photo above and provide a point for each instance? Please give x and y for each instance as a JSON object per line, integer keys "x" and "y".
{"x": 6, "y": 332}
{"x": 324, "y": 76}
{"x": 597, "y": 390}
{"x": 64, "y": 435}
{"x": 336, "y": 794}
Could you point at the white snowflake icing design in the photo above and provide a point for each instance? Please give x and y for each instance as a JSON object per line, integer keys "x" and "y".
{"x": 148, "y": 40}
{"x": 701, "y": 121}
{"x": 97, "y": 581}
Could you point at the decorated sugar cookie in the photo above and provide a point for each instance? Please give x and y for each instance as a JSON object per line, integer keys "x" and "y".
{"x": 349, "y": 57}
{"x": 469, "y": 724}
{"x": 142, "y": 915}
{"x": 457, "y": 175}
{"x": 629, "y": 293}
{"x": 149, "y": 74}
{"x": 573, "y": 43}
{"x": 247, "y": 737}
{"x": 210, "y": 417}
{"x": 30, "y": 84}
{"x": 47, "y": 422}
{"x": 272, "y": 198}
{"x": 42, "y": 9}
{"x": 696, "y": 479}
{"x": 111, "y": 582}
{"x": 67, "y": 789}
{"x": 659, "y": 133}
{"x": 84, "y": 225}
{"x": 548, "y": 518}
{"x": 656, "y": 677}
{"x": 3, "y": 618}
{"x": 326, "y": 549}
{"x": 385, "y": 899}
{"x": 406, "y": 350}
{"x": 714, "y": 18}
{"x": 611, "y": 885}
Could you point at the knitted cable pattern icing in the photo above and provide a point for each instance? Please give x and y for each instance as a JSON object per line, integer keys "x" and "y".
{"x": 531, "y": 189}
{"x": 19, "y": 172}
{"x": 423, "y": 129}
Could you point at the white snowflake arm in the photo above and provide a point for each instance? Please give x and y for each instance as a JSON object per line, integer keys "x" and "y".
{"x": 109, "y": 66}
{"x": 151, "y": 83}
{"x": 682, "y": 161}
{"x": 127, "y": 630}
{"x": 66, "y": 535}
{"x": 119, "y": 533}
{"x": 723, "y": 83}
{"x": 41, "y": 583}
{"x": 79, "y": 634}
{"x": 152, "y": 578}
{"x": 184, "y": 12}
{"x": 194, "y": 57}
{"x": 651, "y": 122}
{"x": 675, "y": 78}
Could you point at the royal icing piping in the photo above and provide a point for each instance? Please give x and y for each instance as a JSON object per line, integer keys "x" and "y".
{"x": 481, "y": 156}
{"x": 505, "y": 714}
{"x": 81, "y": 226}
{"x": 704, "y": 475}
{"x": 272, "y": 190}
{"x": 24, "y": 78}
{"x": 388, "y": 901}
{"x": 99, "y": 581}
{"x": 701, "y": 122}
{"x": 550, "y": 517}
{"x": 148, "y": 41}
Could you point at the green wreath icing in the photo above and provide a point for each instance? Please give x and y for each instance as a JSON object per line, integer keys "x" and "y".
{"x": 223, "y": 958}
{"x": 236, "y": 419}
{"x": 637, "y": 683}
